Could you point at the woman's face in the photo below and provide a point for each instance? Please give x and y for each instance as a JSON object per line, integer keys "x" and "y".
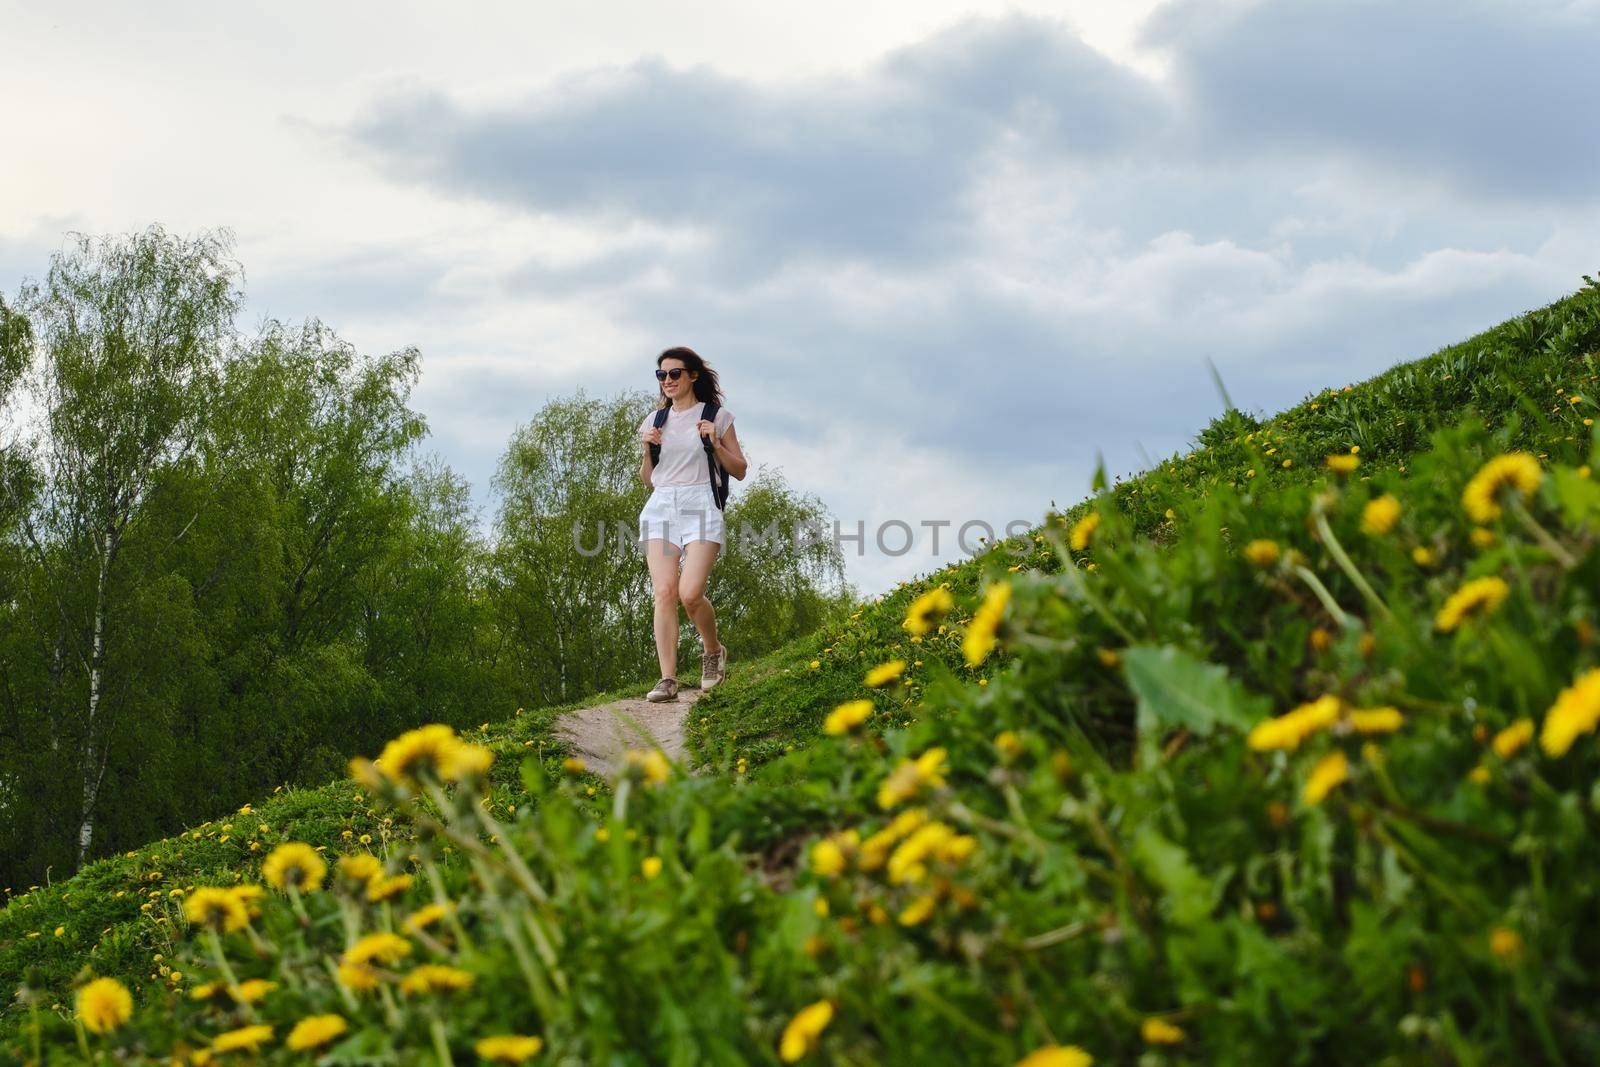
{"x": 683, "y": 386}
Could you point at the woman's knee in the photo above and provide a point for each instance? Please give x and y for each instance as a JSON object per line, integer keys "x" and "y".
{"x": 693, "y": 598}
{"x": 667, "y": 594}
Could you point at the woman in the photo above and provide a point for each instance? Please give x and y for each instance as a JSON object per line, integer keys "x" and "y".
{"x": 681, "y": 523}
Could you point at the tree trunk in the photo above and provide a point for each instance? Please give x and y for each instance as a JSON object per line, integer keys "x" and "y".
{"x": 92, "y": 759}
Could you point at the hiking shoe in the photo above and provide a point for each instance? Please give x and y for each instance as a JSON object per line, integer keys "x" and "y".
{"x": 666, "y": 689}
{"x": 712, "y": 666}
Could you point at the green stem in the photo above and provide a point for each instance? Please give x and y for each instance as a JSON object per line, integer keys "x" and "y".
{"x": 440, "y": 1046}
{"x": 619, "y": 801}
{"x": 1323, "y": 595}
{"x": 295, "y": 902}
{"x": 214, "y": 943}
{"x": 1055, "y": 937}
{"x": 1541, "y": 535}
{"x": 1541, "y": 1021}
{"x": 1336, "y": 550}
{"x": 530, "y": 974}
{"x": 449, "y": 907}
{"x": 348, "y": 997}
{"x": 1070, "y": 571}
{"x": 391, "y": 1011}
{"x": 949, "y": 1011}
{"x": 1418, "y": 868}
{"x": 524, "y": 876}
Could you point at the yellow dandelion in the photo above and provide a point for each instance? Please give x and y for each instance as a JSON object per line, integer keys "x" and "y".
{"x": 1057, "y": 1056}
{"x": 1343, "y": 462}
{"x": 433, "y": 751}
{"x": 358, "y": 977}
{"x": 1262, "y": 553}
{"x": 907, "y": 862}
{"x": 1505, "y": 943}
{"x": 884, "y": 673}
{"x": 216, "y": 909}
{"x": 508, "y": 1048}
{"x": 574, "y": 765}
{"x": 1009, "y": 743}
{"x": 653, "y": 764}
{"x": 294, "y": 863}
{"x": 103, "y": 1005}
{"x": 207, "y": 990}
{"x": 383, "y": 947}
{"x": 435, "y": 978}
{"x": 1380, "y": 515}
{"x": 1330, "y": 771}
{"x": 1575, "y": 712}
{"x": 315, "y": 1031}
{"x": 650, "y": 867}
{"x": 980, "y": 636}
{"x": 1481, "y": 596}
{"x": 359, "y": 870}
{"x": 427, "y": 916}
{"x": 1160, "y": 1032}
{"x": 1375, "y": 720}
{"x": 1422, "y": 556}
{"x": 1515, "y": 472}
{"x": 252, "y": 990}
{"x": 1287, "y": 731}
{"x": 1482, "y": 537}
{"x": 381, "y": 888}
{"x": 911, "y": 776}
{"x": 924, "y": 611}
{"x": 846, "y": 717}
{"x": 804, "y": 1030}
{"x": 244, "y": 1039}
{"x": 917, "y": 911}
{"x": 1083, "y": 531}
{"x": 827, "y": 858}
{"x": 1509, "y": 742}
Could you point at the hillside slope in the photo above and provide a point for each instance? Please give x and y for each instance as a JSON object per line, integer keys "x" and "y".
{"x": 1125, "y": 836}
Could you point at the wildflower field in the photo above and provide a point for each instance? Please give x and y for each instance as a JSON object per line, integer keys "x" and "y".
{"x": 1282, "y": 752}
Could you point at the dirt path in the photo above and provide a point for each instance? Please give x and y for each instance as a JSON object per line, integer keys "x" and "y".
{"x": 601, "y": 734}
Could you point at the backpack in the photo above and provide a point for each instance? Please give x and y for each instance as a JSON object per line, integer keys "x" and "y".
{"x": 719, "y": 477}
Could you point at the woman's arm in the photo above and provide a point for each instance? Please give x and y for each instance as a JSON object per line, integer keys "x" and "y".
{"x": 646, "y": 439}
{"x": 730, "y": 456}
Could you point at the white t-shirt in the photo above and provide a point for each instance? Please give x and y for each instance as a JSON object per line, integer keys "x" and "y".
{"x": 683, "y": 456}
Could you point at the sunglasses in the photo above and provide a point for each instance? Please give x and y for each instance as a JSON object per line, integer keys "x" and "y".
{"x": 675, "y": 373}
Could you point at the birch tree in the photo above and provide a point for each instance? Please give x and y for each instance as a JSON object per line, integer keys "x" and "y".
{"x": 130, "y": 334}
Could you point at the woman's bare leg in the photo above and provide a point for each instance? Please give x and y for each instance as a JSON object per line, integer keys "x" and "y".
{"x": 698, "y": 558}
{"x": 662, "y": 556}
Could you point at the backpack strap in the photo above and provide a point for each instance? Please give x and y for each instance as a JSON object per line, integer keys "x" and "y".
{"x": 655, "y": 450}
{"x": 719, "y": 477}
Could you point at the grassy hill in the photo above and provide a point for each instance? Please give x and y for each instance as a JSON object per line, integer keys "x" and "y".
{"x": 1266, "y": 764}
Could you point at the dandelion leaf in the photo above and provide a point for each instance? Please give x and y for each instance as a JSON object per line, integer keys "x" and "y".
{"x": 1176, "y": 689}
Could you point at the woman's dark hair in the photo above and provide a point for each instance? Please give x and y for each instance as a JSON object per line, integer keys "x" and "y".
{"x": 706, "y": 387}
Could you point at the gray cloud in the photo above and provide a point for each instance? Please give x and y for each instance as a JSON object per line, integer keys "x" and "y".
{"x": 1492, "y": 98}
{"x": 878, "y": 169}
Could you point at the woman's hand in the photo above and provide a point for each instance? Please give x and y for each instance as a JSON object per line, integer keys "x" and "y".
{"x": 651, "y": 436}
{"x": 705, "y": 428}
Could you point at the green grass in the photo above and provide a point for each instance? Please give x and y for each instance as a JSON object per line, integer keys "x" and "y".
{"x": 1180, "y": 830}
{"x": 1512, "y": 371}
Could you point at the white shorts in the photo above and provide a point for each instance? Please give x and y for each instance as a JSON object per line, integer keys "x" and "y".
{"x": 680, "y": 514}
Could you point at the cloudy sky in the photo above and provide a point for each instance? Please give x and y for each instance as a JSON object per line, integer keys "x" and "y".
{"x": 943, "y": 253}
